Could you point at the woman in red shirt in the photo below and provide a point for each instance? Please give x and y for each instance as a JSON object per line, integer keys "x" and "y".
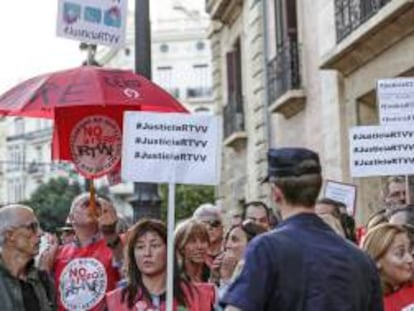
{"x": 390, "y": 247}
{"x": 146, "y": 263}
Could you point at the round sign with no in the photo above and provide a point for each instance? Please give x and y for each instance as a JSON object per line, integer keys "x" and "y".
{"x": 95, "y": 144}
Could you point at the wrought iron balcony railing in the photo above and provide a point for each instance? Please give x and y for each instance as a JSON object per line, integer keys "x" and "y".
{"x": 350, "y": 14}
{"x": 283, "y": 71}
{"x": 233, "y": 117}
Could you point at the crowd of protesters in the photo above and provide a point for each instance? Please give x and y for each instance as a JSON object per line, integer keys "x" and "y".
{"x": 308, "y": 256}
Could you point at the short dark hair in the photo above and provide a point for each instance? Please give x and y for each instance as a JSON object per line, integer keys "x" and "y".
{"x": 299, "y": 190}
{"x": 255, "y": 204}
{"x": 335, "y": 204}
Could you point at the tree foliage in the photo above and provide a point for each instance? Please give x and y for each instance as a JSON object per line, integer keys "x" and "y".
{"x": 51, "y": 202}
{"x": 187, "y": 199}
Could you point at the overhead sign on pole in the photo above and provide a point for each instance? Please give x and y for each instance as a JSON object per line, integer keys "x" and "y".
{"x": 396, "y": 100}
{"x": 171, "y": 148}
{"x": 93, "y": 21}
{"x": 381, "y": 150}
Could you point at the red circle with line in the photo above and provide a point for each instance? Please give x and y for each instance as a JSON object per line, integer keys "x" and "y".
{"x": 95, "y": 145}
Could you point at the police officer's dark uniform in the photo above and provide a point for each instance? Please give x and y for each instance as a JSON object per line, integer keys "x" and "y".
{"x": 303, "y": 264}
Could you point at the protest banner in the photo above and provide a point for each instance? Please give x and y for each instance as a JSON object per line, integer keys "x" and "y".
{"x": 381, "y": 150}
{"x": 93, "y": 21}
{"x": 396, "y": 100}
{"x": 171, "y": 148}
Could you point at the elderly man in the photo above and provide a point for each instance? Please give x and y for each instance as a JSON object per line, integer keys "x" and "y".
{"x": 210, "y": 215}
{"x": 22, "y": 286}
{"x": 396, "y": 192}
{"x": 88, "y": 268}
{"x": 302, "y": 264}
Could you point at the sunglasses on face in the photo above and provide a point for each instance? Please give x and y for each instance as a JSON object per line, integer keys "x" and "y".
{"x": 213, "y": 223}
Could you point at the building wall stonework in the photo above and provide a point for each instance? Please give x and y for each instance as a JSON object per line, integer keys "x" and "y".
{"x": 354, "y": 93}
{"x": 255, "y": 105}
{"x": 245, "y": 165}
{"x": 391, "y": 63}
{"x": 335, "y": 101}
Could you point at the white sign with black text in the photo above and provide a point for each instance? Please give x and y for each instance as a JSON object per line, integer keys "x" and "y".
{"x": 93, "y": 21}
{"x": 171, "y": 148}
{"x": 396, "y": 100}
{"x": 381, "y": 150}
{"x": 342, "y": 192}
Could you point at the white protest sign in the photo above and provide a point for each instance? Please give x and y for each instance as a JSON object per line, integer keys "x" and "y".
{"x": 396, "y": 100}
{"x": 381, "y": 151}
{"x": 93, "y": 21}
{"x": 171, "y": 148}
{"x": 342, "y": 192}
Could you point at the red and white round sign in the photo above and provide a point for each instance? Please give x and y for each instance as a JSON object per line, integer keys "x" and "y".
{"x": 95, "y": 145}
{"x": 82, "y": 284}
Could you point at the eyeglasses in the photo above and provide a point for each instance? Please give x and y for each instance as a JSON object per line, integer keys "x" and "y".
{"x": 32, "y": 226}
{"x": 213, "y": 223}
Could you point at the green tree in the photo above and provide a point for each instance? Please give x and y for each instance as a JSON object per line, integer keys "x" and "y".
{"x": 51, "y": 202}
{"x": 187, "y": 199}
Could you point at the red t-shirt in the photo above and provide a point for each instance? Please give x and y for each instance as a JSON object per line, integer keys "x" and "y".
{"x": 201, "y": 298}
{"x": 83, "y": 275}
{"x": 402, "y": 300}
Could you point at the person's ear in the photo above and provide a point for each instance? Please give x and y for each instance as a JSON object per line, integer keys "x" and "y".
{"x": 277, "y": 194}
{"x": 9, "y": 236}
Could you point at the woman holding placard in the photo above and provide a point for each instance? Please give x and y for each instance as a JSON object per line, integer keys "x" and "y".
{"x": 146, "y": 268}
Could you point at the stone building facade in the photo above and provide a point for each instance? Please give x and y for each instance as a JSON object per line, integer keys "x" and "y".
{"x": 302, "y": 73}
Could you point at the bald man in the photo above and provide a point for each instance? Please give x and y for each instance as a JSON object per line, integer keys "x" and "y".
{"x": 22, "y": 286}
{"x": 87, "y": 268}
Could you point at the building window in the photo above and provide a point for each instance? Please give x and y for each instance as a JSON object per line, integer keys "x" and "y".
{"x": 233, "y": 111}
{"x": 18, "y": 126}
{"x": 163, "y": 76}
{"x": 39, "y": 153}
{"x": 164, "y": 48}
{"x": 200, "y": 45}
{"x": 234, "y": 75}
{"x": 15, "y": 158}
{"x": 283, "y": 62}
{"x": 201, "y": 82}
{"x": 15, "y": 190}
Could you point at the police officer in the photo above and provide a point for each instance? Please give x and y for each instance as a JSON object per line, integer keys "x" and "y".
{"x": 302, "y": 264}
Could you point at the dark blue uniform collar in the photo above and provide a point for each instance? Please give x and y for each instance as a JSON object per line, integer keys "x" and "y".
{"x": 304, "y": 220}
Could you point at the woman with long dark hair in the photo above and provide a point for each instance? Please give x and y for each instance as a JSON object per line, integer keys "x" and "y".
{"x": 146, "y": 273}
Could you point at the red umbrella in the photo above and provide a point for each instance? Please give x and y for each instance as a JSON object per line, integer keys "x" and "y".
{"x": 84, "y": 87}
{"x": 87, "y": 105}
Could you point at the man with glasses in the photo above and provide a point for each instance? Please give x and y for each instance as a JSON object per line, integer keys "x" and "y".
{"x": 22, "y": 286}
{"x": 302, "y": 264}
{"x": 89, "y": 267}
